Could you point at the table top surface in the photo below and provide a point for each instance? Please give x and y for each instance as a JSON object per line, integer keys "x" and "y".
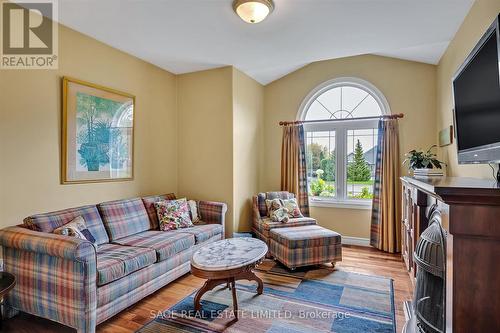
{"x": 229, "y": 254}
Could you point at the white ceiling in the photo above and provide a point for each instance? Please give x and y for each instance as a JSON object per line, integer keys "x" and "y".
{"x": 190, "y": 35}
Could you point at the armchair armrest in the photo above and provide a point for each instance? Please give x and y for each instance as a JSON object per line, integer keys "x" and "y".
{"x": 255, "y": 211}
{"x": 56, "y": 276}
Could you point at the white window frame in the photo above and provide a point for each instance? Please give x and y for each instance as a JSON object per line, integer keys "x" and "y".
{"x": 341, "y": 128}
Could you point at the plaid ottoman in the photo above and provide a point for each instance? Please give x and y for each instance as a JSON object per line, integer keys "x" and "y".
{"x": 306, "y": 245}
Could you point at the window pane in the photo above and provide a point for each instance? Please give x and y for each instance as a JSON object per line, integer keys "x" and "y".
{"x": 352, "y": 98}
{"x": 316, "y": 111}
{"x": 361, "y": 154}
{"x": 369, "y": 107}
{"x": 343, "y": 102}
{"x": 320, "y": 157}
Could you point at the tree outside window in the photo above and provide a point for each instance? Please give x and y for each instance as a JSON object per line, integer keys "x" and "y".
{"x": 341, "y": 154}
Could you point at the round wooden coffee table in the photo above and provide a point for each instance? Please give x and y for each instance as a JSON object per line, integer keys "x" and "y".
{"x": 227, "y": 261}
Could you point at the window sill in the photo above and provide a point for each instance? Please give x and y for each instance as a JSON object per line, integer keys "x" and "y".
{"x": 347, "y": 204}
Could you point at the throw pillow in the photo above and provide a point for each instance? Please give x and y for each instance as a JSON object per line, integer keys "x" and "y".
{"x": 293, "y": 207}
{"x": 272, "y": 205}
{"x": 193, "y": 210}
{"x": 173, "y": 214}
{"x": 280, "y": 215}
{"x": 76, "y": 228}
{"x": 277, "y": 212}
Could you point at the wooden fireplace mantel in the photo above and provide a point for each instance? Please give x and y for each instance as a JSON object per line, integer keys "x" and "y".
{"x": 470, "y": 214}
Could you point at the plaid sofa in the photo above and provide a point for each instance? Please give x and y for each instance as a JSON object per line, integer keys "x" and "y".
{"x": 73, "y": 282}
{"x": 262, "y": 224}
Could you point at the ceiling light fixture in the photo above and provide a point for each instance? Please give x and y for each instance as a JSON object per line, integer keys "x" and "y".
{"x": 253, "y": 11}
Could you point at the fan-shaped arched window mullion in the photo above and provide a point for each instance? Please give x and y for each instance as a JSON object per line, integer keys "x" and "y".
{"x": 341, "y": 154}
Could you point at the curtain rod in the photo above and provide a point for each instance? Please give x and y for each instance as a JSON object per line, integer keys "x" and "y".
{"x": 392, "y": 116}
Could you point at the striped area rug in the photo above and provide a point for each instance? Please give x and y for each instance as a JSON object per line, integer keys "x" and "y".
{"x": 317, "y": 299}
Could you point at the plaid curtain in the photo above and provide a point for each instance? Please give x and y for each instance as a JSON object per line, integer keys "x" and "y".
{"x": 293, "y": 165}
{"x": 385, "y": 231}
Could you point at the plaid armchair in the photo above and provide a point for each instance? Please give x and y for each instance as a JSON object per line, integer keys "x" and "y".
{"x": 262, "y": 224}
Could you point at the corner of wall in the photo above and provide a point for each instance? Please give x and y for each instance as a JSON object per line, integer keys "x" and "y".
{"x": 248, "y": 111}
{"x": 205, "y": 127}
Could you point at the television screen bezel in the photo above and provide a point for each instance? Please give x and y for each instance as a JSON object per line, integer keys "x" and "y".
{"x": 477, "y": 158}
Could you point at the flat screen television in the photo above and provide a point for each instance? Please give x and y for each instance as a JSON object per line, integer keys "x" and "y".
{"x": 476, "y": 93}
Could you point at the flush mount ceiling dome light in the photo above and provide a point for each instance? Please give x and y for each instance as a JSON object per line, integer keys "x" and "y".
{"x": 253, "y": 11}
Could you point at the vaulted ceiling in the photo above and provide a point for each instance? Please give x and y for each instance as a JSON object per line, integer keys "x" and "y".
{"x": 190, "y": 35}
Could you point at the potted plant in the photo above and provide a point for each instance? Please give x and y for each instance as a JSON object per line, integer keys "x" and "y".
{"x": 94, "y": 145}
{"x": 424, "y": 163}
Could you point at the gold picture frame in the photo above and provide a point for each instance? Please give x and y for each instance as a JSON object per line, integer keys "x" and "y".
{"x": 98, "y": 125}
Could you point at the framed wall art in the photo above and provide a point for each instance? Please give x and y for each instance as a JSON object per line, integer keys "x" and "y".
{"x": 97, "y": 133}
{"x": 446, "y": 136}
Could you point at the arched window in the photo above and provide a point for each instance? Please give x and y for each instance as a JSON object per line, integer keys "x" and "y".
{"x": 341, "y": 154}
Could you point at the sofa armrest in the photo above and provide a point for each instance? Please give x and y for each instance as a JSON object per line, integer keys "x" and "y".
{"x": 70, "y": 248}
{"x": 56, "y": 276}
{"x": 212, "y": 212}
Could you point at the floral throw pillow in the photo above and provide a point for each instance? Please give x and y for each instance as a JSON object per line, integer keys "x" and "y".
{"x": 280, "y": 215}
{"x": 293, "y": 207}
{"x": 277, "y": 212}
{"x": 173, "y": 214}
{"x": 76, "y": 228}
{"x": 273, "y": 204}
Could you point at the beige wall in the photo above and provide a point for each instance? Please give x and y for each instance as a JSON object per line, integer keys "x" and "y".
{"x": 30, "y": 131}
{"x": 481, "y": 15}
{"x": 347, "y": 222}
{"x": 205, "y": 141}
{"x": 248, "y": 121}
{"x": 220, "y": 135}
{"x": 203, "y": 133}
{"x": 409, "y": 87}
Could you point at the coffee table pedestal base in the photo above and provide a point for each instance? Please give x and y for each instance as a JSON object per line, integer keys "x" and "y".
{"x": 225, "y": 277}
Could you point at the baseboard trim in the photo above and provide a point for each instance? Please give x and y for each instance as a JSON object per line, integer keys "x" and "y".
{"x": 355, "y": 241}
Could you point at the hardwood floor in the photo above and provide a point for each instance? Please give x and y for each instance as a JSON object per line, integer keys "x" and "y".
{"x": 355, "y": 259}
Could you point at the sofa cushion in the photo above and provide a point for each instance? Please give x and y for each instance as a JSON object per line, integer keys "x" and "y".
{"x": 165, "y": 243}
{"x": 116, "y": 261}
{"x": 202, "y": 232}
{"x": 123, "y": 218}
{"x": 157, "y": 275}
{"x": 305, "y": 237}
{"x": 149, "y": 204}
{"x": 261, "y": 199}
{"x": 48, "y": 222}
{"x": 268, "y": 224}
